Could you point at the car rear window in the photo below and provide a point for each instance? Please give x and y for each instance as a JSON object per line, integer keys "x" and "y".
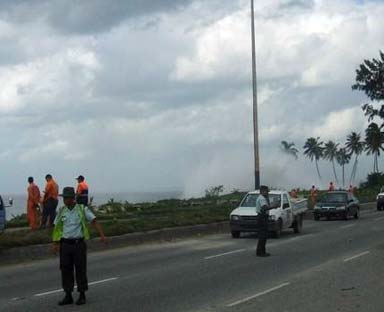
{"x": 334, "y": 198}
{"x": 250, "y": 199}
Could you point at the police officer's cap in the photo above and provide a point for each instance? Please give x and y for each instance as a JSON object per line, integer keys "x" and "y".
{"x": 264, "y": 188}
{"x": 68, "y": 192}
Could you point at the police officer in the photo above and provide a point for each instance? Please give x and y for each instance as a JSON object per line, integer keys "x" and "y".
{"x": 262, "y": 208}
{"x": 69, "y": 234}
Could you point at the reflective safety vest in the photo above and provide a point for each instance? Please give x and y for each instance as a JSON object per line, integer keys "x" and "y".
{"x": 57, "y": 233}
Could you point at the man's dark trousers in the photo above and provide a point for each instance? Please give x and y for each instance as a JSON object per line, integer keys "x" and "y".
{"x": 49, "y": 209}
{"x": 262, "y": 234}
{"x": 73, "y": 257}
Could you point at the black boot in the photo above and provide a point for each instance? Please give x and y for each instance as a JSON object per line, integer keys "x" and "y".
{"x": 67, "y": 299}
{"x": 81, "y": 299}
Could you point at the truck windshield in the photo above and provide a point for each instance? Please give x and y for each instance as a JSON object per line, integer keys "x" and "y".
{"x": 334, "y": 198}
{"x": 250, "y": 200}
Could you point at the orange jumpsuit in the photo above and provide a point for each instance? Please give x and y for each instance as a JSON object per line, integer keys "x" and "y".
{"x": 313, "y": 195}
{"x": 32, "y": 204}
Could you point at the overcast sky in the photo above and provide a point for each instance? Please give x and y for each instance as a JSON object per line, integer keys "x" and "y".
{"x": 143, "y": 95}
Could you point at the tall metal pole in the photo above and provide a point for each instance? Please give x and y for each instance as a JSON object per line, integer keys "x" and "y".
{"x": 255, "y": 120}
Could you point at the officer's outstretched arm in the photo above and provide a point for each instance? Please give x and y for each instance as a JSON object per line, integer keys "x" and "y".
{"x": 99, "y": 229}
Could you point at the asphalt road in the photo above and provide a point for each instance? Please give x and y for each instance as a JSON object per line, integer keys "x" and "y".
{"x": 332, "y": 266}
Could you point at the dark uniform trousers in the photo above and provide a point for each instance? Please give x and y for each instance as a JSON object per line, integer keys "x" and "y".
{"x": 262, "y": 233}
{"x": 49, "y": 210}
{"x": 73, "y": 258}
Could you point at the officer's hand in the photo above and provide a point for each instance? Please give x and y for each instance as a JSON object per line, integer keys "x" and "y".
{"x": 55, "y": 248}
{"x": 104, "y": 240}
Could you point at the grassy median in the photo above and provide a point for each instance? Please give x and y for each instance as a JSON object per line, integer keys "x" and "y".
{"x": 121, "y": 218}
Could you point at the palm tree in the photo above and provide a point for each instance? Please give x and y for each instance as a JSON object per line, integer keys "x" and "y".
{"x": 290, "y": 149}
{"x": 355, "y": 146}
{"x": 313, "y": 149}
{"x": 343, "y": 158}
{"x": 330, "y": 150}
{"x": 374, "y": 139}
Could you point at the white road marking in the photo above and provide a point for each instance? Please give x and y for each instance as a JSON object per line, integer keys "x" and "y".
{"x": 357, "y": 256}
{"x": 258, "y": 295}
{"x": 225, "y": 253}
{"x": 347, "y": 226}
{"x": 60, "y": 290}
{"x": 378, "y": 219}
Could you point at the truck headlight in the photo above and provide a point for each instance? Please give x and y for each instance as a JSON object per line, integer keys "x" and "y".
{"x": 272, "y": 218}
{"x": 340, "y": 208}
{"x": 235, "y": 218}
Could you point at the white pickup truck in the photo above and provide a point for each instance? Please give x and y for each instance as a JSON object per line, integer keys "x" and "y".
{"x": 290, "y": 214}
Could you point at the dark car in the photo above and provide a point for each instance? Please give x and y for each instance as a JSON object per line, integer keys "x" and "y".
{"x": 380, "y": 200}
{"x": 340, "y": 204}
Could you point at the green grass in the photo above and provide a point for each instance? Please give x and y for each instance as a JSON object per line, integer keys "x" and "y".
{"x": 125, "y": 218}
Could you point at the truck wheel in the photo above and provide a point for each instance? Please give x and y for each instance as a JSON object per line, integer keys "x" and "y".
{"x": 379, "y": 207}
{"x": 277, "y": 233}
{"x": 235, "y": 234}
{"x": 298, "y": 225}
{"x": 317, "y": 218}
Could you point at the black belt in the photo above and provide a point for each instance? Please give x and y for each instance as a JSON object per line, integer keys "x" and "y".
{"x": 72, "y": 241}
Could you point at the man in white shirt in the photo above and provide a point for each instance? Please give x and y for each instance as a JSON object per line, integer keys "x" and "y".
{"x": 262, "y": 208}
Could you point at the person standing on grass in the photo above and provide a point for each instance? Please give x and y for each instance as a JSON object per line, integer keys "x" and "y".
{"x": 313, "y": 195}
{"x": 69, "y": 235}
{"x": 82, "y": 191}
{"x": 33, "y": 204}
{"x": 50, "y": 201}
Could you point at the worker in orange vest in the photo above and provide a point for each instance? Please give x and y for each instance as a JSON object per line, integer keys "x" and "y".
{"x": 82, "y": 191}
{"x": 313, "y": 194}
{"x": 351, "y": 189}
{"x": 50, "y": 201}
{"x": 33, "y": 204}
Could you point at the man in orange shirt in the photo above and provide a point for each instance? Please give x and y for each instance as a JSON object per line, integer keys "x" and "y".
{"x": 33, "y": 202}
{"x": 82, "y": 191}
{"x": 313, "y": 194}
{"x": 50, "y": 201}
{"x": 331, "y": 187}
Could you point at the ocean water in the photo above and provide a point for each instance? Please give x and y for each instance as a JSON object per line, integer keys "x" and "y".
{"x": 20, "y": 200}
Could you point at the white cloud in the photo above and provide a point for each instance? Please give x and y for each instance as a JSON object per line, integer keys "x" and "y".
{"x": 166, "y": 100}
{"x": 339, "y": 124}
{"x": 46, "y": 81}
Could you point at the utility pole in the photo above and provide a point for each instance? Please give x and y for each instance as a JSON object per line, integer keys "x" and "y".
{"x": 254, "y": 87}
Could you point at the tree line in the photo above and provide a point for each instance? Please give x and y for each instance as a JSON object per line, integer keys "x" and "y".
{"x": 370, "y": 80}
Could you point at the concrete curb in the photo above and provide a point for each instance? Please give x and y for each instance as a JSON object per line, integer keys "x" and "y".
{"x": 43, "y": 251}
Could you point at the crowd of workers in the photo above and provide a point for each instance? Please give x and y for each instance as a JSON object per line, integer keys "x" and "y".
{"x": 313, "y": 192}
{"x": 41, "y": 210}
